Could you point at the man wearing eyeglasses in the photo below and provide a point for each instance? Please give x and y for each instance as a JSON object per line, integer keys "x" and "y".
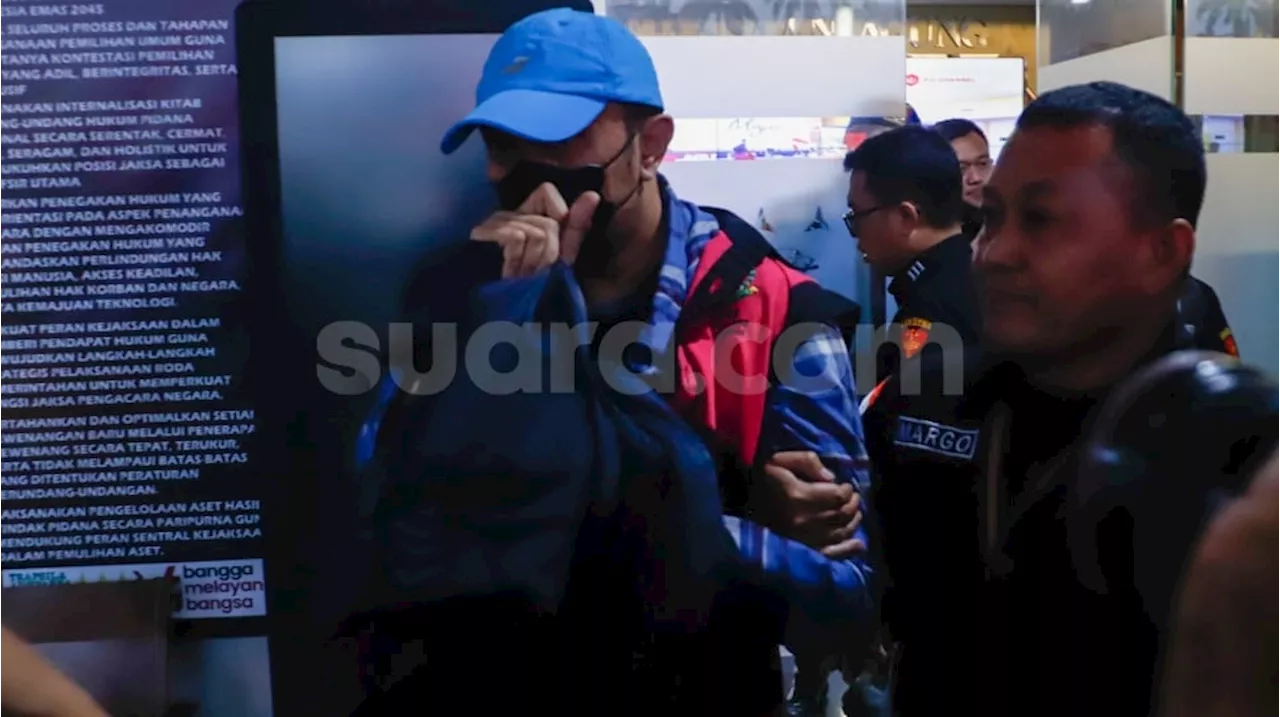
{"x": 906, "y": 211}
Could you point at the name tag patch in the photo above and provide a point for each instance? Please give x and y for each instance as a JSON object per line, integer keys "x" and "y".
{"x": 936, "y": 438}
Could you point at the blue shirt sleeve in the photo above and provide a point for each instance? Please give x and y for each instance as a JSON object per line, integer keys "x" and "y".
{"x": 367, "y": 437}
{"x": 813, "y": 406}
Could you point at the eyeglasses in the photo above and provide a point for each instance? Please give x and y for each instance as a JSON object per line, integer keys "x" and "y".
{"x": 853, "y": 216}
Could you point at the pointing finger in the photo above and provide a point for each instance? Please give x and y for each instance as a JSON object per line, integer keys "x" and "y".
{"x": 577, "y": 225}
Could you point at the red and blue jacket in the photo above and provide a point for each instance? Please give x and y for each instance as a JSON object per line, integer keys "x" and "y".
{"x": 804, "y": 403}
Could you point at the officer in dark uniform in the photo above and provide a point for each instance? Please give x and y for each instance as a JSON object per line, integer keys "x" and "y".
{"x": 1200, "y": 308}
{"x": 1199, "y": 304}
{"x": 1080, "y": 271}
{"x": 906, "y": 211}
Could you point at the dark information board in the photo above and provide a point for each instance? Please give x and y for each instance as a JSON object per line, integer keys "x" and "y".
{"x": 126, "y": 427}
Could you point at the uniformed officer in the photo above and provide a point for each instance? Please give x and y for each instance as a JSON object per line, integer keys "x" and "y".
{"x": 1090, "y": 230}
{"x": 1202, "y": 311}
{"x": 906, "y": 210}
{"x": 1200, "y": 305}
{"x": 974, "y": 152}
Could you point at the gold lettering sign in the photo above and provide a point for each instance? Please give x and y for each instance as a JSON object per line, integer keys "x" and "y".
{"x": 934, "y": 34}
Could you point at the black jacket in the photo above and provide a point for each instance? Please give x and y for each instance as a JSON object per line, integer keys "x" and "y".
{"x": 936, "y": 303}
{"x": 730, "y": 665}
{"x": 1202, "y": 312}
{"x": 984, "y": 595}
{"x": 972, "y": 221}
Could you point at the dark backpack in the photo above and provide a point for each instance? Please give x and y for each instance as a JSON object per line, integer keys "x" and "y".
{"x": 548, "y": 531}
{"x": 564, "y": 530}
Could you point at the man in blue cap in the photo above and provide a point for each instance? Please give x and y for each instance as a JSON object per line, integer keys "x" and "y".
{"x": 571, "y": 114}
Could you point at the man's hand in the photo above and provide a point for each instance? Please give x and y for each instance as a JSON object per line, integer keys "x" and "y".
{"x": 539, "y": 231}
{"x": 799, "y": 499}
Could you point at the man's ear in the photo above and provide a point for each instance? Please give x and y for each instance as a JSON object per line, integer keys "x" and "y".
{"x": 1172, "y": 248}
{"x": 910, "y": 214}
{"x": 654, "y": 139}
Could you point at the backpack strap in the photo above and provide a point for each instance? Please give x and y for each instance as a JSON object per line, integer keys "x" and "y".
{"x": 747, "y": 249}
{"x": 812, "y": 303}
{"x": 809, "y": 302}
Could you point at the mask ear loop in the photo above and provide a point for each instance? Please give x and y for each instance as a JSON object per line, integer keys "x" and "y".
{"x": 635, "y": 189}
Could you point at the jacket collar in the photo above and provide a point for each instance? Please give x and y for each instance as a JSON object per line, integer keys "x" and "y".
{"x": 929, "y": 264}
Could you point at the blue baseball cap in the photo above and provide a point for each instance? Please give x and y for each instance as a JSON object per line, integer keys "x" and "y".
{"x": 551, "y": 75}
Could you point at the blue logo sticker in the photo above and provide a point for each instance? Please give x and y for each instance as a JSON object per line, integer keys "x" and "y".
{"x": 936, "y": 438}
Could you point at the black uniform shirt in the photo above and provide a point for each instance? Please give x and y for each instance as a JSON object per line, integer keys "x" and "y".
{"x": 1014, "y": 633}
{"x": 1200, "y": 309}
{"x": 972, "y": 221}
{"x": 936, "y": 302}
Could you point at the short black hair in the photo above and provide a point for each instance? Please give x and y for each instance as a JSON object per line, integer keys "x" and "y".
{"x": 912, "y": 164}
{"x": 1152, "y": 137}
{"x": 953, "y": 129}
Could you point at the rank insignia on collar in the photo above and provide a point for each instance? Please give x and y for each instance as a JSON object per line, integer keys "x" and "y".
{"x": 748, "y": 287}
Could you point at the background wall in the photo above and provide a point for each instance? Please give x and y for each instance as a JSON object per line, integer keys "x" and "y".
{"x": 1230, "y": 80}
{"x": 1129, "y": 41}
{"x": 719, "y": 60}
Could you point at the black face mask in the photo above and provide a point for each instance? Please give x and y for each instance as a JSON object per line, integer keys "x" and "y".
{"x": 572, "y": 183}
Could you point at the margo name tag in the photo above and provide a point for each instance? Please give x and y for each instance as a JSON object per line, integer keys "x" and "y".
{"x": 936, "y": 438}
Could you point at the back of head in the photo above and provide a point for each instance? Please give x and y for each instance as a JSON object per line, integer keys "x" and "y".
{"x": 1154, "y": 139}
{"x": 912, "y": 164}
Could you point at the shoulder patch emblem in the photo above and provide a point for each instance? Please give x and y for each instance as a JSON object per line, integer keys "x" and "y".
{"x": 915, "y": 334}
{"x": 748, "y": 286}
{"x": 936, "y": 438}
{"x": 1229, "y": 343}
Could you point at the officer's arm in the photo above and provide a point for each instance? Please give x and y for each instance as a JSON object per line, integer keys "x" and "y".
{"x": 813, "y": 407}
{"x": 1200, "y": 313}
{"x": 1216, "y": 328}
{"x": 33, "y": 687}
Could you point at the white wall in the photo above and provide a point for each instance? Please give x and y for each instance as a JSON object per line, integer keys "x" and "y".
{"x": 1237, "y": 249}
{"x": 1146, "y": 65}
{"x": 755, "y": 76}
{"x": 780, "y": 76}
{"x": 1230, "y": 75}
